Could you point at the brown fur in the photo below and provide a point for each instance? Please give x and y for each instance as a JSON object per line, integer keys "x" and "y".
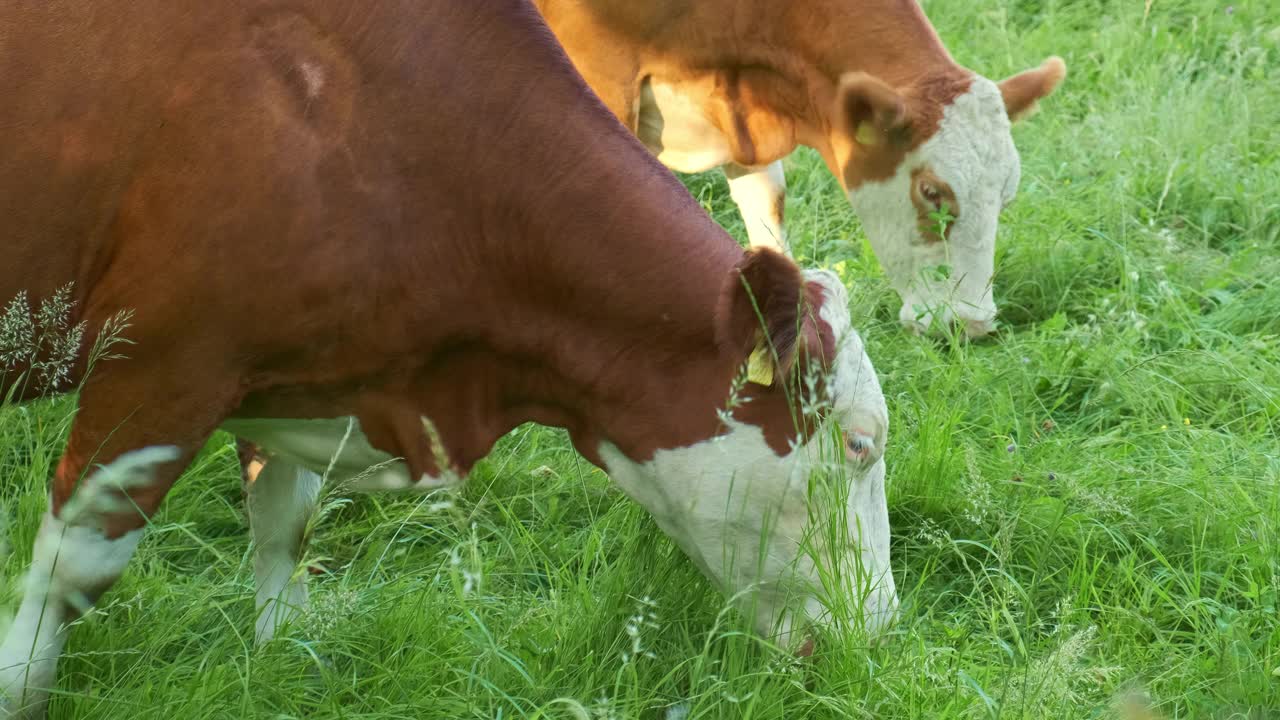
{"x": 762, "y": 303}
{"x": 392, "y": 210}
{"x": 771, "y": 72}
{"x": 768, "y": 302}
{"x": 779, "y": 64}
{"x": 1022, "y": 91}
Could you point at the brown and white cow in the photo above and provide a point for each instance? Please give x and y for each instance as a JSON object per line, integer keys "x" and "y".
{"x": 373, "y": 238}
{"x": 738, "y": 84}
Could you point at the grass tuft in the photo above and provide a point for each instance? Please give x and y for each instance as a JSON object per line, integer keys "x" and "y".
{"x": 1086, "y": 514}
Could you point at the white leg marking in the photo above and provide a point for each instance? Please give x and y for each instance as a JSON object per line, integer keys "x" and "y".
{"x": 281, "y": 502}
{"x": 68, "y": 563}
{"x": 71, "y": 563}
{"x": 760, "y": 195}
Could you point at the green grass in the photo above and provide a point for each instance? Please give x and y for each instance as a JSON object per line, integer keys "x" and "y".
{"x": 1086, "y": 510}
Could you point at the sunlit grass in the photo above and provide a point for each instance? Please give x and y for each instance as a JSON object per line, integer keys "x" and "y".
{"x": 1084, "y": 512}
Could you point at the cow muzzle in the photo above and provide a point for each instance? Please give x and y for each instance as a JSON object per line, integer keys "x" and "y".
{"x": 975, "y": 325}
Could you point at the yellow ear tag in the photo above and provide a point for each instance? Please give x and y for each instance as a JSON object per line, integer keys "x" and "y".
{"x": 760, "y": 366}
{"x": 866, "y": 134}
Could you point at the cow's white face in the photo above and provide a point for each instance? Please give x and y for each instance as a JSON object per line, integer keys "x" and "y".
{"x": 942, "y": 268}
{"x": 786, "y": 536}
{"x": 931, "y": 210}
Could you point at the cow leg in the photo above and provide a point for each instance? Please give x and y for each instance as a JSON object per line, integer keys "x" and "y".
{"x": 760, "y": 194}
{"x": 77, "y": 556}
{"x": 282, "y": 497}
{"x": 140, "y": 422}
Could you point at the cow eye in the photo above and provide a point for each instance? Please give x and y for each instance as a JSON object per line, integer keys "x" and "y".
{"x": 935, "y": 204}
{"x": 930, "y": 193}
{"x": 857, "y": 446}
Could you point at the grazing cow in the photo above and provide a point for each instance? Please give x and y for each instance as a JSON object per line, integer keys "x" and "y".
{"x": 738, "y": 84}
{"x": 371, "y": 239}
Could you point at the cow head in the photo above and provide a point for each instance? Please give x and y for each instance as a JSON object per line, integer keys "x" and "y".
{"x": 929, "y": 189}
{"x": 784, "y": 508}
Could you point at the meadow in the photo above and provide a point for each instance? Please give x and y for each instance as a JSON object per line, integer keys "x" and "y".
{"x": 1085, "y": 512}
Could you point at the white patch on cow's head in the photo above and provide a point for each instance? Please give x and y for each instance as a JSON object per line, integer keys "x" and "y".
{"x": 794, "y": 537}
{"x": 973, "y": 156}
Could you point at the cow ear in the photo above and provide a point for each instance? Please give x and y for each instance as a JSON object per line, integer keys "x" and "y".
{"x": 759, "y": 312}
{"x": 870, "y": 111}
{"x": 1021, "y": 92}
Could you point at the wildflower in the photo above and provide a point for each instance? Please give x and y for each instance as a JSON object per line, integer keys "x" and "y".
{"x": 1099, "y": 501}
{"x": 933, "y": 534}
{"x": 735, "y": 398}
{"x": 43, "y": 340}
{"x": 543, "y": 472}
{"x": 979, "y": 493}
{"x": 1186, "y": 421}
{"x": 1062, "y": 612}
{"x": 326, "y": 611}
{"x": 63, "y": 349}
{"x": 17, "y": 333}
{"x": 644, "y": 617}
{"x": 471, "y": 576}
{"x": 679, "y": 711}
{"x": 603, "y": 709}
{"x": 1055, "y": 676}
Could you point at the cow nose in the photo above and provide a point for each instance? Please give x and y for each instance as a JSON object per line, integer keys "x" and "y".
{"x": 977, "y": 321}
{"x": 975, "y": 329}
{"x": 916, "y": 322}
{"x": 937, "y": 324}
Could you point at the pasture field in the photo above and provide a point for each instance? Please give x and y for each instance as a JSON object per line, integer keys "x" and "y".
{"x": 1086, "y": 512}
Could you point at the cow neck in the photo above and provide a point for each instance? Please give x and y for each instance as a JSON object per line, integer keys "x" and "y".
{"x": 894, "y": 42}
{"x": 605, "y": 320}
{"x": 891, "y": 39}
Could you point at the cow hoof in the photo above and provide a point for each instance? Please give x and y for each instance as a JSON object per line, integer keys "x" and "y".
{"x": 23, "y": 683}
{"x": 14, "y": 705}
